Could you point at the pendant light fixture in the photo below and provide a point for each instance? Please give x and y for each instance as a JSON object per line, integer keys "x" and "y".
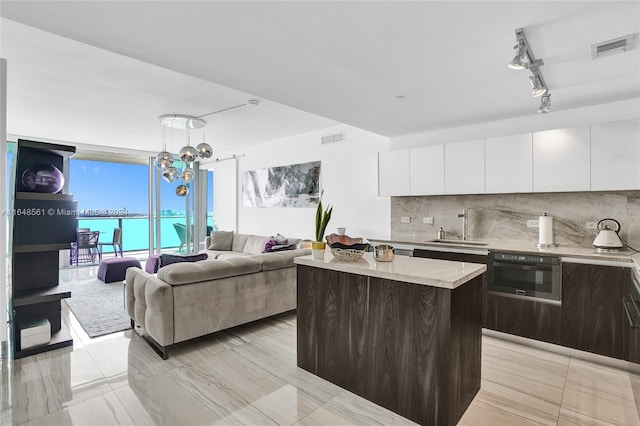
{"x": 187, "y": 154}
{"x": 525, "y": 59}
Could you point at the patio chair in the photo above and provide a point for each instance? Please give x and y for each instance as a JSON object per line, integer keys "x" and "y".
{"x": 181, "y": 230}
{"x": 116, "y": 243}
{"x": 85, "y": 248}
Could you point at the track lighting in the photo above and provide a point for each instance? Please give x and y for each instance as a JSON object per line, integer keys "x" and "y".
{"x": 518, "y": 61}
{"x": 545, "y": 104}
{"x": 525, "y": 59}
{"x": 537, "y": 88}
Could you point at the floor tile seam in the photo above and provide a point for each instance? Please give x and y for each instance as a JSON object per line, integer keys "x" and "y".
{"x": 518, "y": 412}
{"x": 517, "y": 389}
{"x": 596, "y": 420}
{"x": 564, "y": 388}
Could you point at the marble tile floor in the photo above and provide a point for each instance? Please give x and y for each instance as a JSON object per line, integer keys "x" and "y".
{"x": 248, "y": 375}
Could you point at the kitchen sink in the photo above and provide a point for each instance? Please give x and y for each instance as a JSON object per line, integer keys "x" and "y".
{"x": 459, "y": 242}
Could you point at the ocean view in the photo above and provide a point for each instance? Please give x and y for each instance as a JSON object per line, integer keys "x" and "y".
{"x": 135, "y": 231}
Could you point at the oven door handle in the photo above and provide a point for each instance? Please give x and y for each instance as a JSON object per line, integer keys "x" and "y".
{"x": 521, "y": 267}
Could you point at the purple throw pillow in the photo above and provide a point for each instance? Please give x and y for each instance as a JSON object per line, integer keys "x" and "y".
{"x": 269, "y": 244}
{"x": 168, "y": 259}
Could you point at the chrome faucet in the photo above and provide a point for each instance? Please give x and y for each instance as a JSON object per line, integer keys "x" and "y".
{"x": 464, "y": 217}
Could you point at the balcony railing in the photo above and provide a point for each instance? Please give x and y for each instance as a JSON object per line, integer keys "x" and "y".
{"x": 135, "y": 231}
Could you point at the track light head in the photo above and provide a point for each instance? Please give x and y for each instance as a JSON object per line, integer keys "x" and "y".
{"x": 537, "y": 88}
{"x": 545, "y": 104}
{"x": 517, "y": 63}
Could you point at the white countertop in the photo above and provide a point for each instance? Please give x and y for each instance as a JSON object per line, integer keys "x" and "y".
{"x": 431, "y": 272}
{"x": 587, "y": 253}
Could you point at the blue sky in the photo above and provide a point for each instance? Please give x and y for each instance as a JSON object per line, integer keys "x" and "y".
{"x": 102, "y": 185}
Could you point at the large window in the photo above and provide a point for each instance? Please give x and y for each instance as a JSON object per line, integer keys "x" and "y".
{"x": 115, "y": 195}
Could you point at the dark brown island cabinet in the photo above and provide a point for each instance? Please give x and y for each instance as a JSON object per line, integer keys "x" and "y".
{"x": 405, "y": 335}
{"x": 44, "y": 221}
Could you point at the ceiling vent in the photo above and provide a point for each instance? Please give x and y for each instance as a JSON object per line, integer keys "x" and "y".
{"x": 338, "y": 137}
{"x": 611, "y": 47}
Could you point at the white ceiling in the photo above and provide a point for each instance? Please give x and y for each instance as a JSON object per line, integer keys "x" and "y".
{"x": 310, "y": 62}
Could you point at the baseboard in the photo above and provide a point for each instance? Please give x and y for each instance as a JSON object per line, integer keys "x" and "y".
{"x": 562, "y": 350}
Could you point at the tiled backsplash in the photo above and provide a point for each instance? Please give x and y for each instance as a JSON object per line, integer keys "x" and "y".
{"x": 504, "y": 216}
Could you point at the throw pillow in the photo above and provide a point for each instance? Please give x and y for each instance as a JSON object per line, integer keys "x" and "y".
{"x": 282, "y": 247}
{"x": 221, "y": 240}
{"x": 281, "y": 239}
{"x": 168, "y": 259}
{"x": 269, "y": 244}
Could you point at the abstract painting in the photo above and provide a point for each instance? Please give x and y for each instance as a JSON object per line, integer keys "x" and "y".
{"x": 295, "y": 185}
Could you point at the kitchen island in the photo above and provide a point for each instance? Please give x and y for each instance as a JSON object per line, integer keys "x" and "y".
{"x": 405, "y": 335}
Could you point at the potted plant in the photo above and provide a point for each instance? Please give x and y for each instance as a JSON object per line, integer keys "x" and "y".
{"x": 322, "y": 220}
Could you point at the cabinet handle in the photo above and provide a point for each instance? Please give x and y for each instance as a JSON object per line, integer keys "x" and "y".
{"x": 625, "y": 305}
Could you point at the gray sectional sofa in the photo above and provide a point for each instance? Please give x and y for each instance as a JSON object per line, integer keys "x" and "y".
{"x": 187, "y": 300}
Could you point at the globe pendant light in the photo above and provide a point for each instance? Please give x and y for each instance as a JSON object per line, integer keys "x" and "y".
{"x": 164, "y": 160}
{"x": 188, "y": 154}
{"x": 187, "y": 175}
{"x": 170, "y": 174}
{"x": 204, "y": 149}
{"x": 182, "y": 190}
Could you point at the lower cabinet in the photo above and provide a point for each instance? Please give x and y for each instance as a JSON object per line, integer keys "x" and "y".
{"x": 593, "y": 317}
{"x": 526, "y": 318}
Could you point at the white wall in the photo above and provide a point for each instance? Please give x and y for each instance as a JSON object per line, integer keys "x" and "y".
{"x": 601, "y": 113}
{"x": 349, "y": 173}
{"x": 225, "y": 190}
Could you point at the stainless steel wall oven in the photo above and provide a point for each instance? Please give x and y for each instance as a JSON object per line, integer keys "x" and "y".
{"x": 525, "y": 276}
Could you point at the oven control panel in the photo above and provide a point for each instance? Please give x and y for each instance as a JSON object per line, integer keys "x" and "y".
{"x": 523, "y": 258}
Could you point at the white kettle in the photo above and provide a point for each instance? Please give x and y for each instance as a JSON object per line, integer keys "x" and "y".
{"x": 608, "y": 238}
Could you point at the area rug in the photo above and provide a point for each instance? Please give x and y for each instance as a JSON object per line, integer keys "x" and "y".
{"x": 98, "y": 306}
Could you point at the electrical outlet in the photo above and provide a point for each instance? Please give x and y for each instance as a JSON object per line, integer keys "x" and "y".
{"x": 532, "y": 223}
{"x": 592, "y": 225}
{"x": 427, "y": 220}
{"x": 405, "y": 219}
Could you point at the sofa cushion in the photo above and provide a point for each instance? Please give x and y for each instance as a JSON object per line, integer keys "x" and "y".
{"x": 221, "y": 240}
{"x": 221, "y": 254}
{"x": 207, "y": 270}
{"x": 232, "y": 254}
{"x": 284, "y": 259}
{"x": 239, "y": 241}
{"x": 255, "y": 244}
{"x": 168, "y": 259}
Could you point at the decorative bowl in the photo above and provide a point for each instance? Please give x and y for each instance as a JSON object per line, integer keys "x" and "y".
{"x": 347, "y": 254}
{"x": 344, "y": 239}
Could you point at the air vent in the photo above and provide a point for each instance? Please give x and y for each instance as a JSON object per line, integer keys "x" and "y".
{"x": 338, "y": 137}
{"x": 611, "y": 47}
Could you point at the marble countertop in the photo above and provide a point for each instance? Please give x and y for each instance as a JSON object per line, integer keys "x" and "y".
{"x": 431, "y": 272}
{"x": 586, "y": 253}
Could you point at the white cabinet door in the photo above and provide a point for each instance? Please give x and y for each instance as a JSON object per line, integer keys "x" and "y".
{"x": 427, "y": 170}
{"x": 509, "y": 164}
{"x": 393, "y": 173}
{"x": 464, "y": 167}
{"x": 615, "y": 155}
{"x": 561, "y": 160}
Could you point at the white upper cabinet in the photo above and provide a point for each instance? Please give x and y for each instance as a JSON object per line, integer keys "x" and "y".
{"x": 464, "y": 167}
{"x": 509, "y": 164}
{"x": 427, "y": 170}
{"x": 393, "y": 173}
{"x": 561, "y": 160}
{"x": 615, "y": 155}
